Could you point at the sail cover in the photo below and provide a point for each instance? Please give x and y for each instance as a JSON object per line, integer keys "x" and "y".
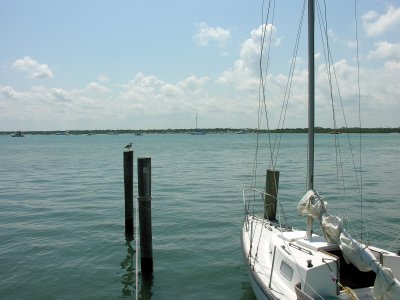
{"x": 386, "y": 286}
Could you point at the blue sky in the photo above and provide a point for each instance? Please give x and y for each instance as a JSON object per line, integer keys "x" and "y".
{"x": 73, "y": 64}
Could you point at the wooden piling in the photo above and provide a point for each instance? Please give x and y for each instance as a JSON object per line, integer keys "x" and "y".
{"x": 128, "y": 187}
{"x": 144, "y": 203}
{"x": 271, "y": 188}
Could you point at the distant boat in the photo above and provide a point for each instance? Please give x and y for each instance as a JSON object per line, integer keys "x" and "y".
{"x": 242, "y": 131}
{"x": 17, "y": 134}
{"x": 138, "y": 133}
{"x": 198, "y": 131}
{"x": 335, "y": 132}
{"x": 62, "y": 133}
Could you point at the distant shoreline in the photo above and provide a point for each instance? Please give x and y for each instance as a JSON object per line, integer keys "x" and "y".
{"x": 207, "y": 130}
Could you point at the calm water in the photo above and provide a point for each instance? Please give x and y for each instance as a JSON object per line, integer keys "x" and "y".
{"x": 62, "y": 211}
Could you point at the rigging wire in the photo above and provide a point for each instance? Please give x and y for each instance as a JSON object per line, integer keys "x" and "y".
{"x": 288, "y": 88}
{"x": 274, "y": 145}
{"x": 331, "y": 70}
{"x": 261, "y": 90}
{"x": 263, "y": 78}
{"x": 359, "y": 115}
{"x": 261, "y": 95}
{"x": 329, "y": 66}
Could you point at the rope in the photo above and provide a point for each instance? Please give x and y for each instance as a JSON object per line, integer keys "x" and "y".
{"x": 348, "y": 291}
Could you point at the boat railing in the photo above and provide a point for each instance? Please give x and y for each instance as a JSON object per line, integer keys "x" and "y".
{"x": 254, "y": 204}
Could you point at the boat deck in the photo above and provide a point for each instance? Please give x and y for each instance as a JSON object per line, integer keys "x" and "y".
{"x": 291, "y": 260}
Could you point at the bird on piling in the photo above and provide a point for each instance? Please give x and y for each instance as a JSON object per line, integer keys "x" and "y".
{"x": 128, "y": 147}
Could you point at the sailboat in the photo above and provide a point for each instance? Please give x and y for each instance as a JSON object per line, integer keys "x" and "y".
{"x": 288, "y": 263}
{"x": 198, "y": 131}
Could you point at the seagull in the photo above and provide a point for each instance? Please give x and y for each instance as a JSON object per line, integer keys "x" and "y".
{"x": 128, "y": 147}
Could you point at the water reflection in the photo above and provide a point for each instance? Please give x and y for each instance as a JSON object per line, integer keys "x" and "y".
{"x": 128, "y": 277}
{"x": 128, "y": 280}
{"x": 247, "y": 290}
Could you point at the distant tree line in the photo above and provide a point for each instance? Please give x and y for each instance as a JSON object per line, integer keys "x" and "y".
{"x": 211, "y": 131}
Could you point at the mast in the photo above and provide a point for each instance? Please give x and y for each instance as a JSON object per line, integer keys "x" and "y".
{"x": 311, "y": 89}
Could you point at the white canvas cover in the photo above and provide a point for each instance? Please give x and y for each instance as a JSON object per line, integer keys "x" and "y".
{"x": 386, "y": 287}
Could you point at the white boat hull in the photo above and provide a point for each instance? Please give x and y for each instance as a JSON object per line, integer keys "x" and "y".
{"x": 292, "y": 260}
{"x": 276, "y": 265}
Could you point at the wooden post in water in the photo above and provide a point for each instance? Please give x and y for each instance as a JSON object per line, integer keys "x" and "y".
{"x": 144, "y": 203}
{"x": 271, "y": 188}
{"x": 128, "y": 186}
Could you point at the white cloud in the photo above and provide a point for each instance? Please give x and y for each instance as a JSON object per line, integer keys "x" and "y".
{"x": 246, "y": 69}
{"x": 157, "y": 96}
{"x": 393, "y": 65}
{"x": 206, "y": 34}
{"x": 378, "y": 94}
{"x": 377, "y": 90}
{"x": 33, "y": 68}
{"x": 192, "y": 83}
{"x": 385, "y": 50}
{"x": 52, "y": 95}
{"x": 8, "y": 92}
{"x": 376, "y": 24}
{"x": 94, "y": 87}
